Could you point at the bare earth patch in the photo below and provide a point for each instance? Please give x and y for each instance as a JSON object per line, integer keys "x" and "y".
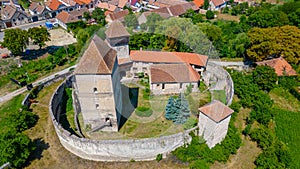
{"x": 60, "y": 37}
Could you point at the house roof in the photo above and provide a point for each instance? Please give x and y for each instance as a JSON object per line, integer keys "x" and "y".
{"x": 168, "y": 57}
{"x": 105, "y": 5}
{"x": 163, "y": 10}
{"x": 98, "y": 58}
{"x": 216, "y": 110}
{"x": 8, "y": 11}
{"x": 122, "y": 3}
{"x": 218, "y": 2}
{"x": 118, "y": 15}
{"x": 199, "y": 3}
{"x": 72, "y": 16}
{"x": 79, "y": 2}
{"x": 281, "y": 66}
{"x": 86, "y": 1}
{"x": 40, "y": 8}
{"x": 53, "y": 4}
{"x": 177, "y": 10}
{"x": 170, "y": 73}
{"x": 116, "y": 29}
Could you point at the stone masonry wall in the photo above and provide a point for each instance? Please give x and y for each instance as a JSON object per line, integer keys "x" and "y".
{"x": 113, "y": 150}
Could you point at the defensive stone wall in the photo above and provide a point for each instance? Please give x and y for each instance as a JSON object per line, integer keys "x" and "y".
{"x": 217, "y": 78}
{"x": 113, "y": 150}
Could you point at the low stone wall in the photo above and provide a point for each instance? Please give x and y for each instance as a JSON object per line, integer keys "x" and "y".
{"x": 113, "y": 150}
{"x": 217, "y": 78}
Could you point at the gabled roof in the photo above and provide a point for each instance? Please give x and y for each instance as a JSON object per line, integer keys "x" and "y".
{"x": 218, "y": 2}
{"x": 216, "y": 110}
{"x": 98, "y": 58}
{"x": 168, "y": 57}
{"x": 8, "y": 11}
{"x": 173, "y": 73}
{"x": 53, "y": 4}
{"x": 105, "y": 5}
{"x": 122, "y": 3}
{"x": 118, "y": 15}
{"x": 86, "y": 1}
{"x": 199, "y": 3}
{"x": 116, "y": 29}
{"x": 72, "y": 16}
{"x": 36, "y": 6}
{"x": 280, "y": 65}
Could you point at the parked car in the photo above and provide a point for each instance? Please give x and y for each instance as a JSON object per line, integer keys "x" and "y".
{"x": 4, "y": 55}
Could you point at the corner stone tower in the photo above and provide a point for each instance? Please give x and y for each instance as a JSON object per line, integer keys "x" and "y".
{"x": 117, "y": 37}
{"x": 98, "y": 87}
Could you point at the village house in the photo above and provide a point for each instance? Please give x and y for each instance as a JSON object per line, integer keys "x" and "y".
{"x": 98, "y": 88}
{"x": 214, "y": 119}
{"x": 216, "y": 5}
{"x": 38, "y": 11}
{"x": 64, "y": 17}
{"x": 12, "y": 15}
{"x": 116, "y": 16}
{"x": 280, "y": 65}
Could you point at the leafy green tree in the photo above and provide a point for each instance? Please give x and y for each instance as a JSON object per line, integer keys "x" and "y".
{"x": 206, "y": 4}
{"x": 22, "y": 120}
{"x": 82, "y": 37}
{"x": 152, "y": 21}
{"x": 131, "y": 20}
{"x": 98, "y": 15}
{"x": 263, "y": 136}
{"x": 15, "y": 40}
{"x": 39, "y": 35}
{"x": 15, "y": 148}
{"x": 265, "y": 77}
{"x": 87, "y": 16}
{"x": 213, "y": 32}
{"x": 267, "y": 18}
{"x": 294, "y": 18}
{"x": 210, "y": 14}
{"x": 277, "y": 41}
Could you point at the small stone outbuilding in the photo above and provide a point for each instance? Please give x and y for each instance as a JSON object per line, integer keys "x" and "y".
{"x": 213, "y": 123}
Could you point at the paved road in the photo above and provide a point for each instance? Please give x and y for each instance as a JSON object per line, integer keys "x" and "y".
{"x": 24, "y": 27}
{"x": 24, "y": 89}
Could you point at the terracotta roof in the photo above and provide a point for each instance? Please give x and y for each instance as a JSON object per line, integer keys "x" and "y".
{"x": 33, "y": 6}
{"x": 190, "y": 5}
{"x": 98, "y": 58}
{"x": 118, "y": 15}
{"x": 199, "y": 3}
{"x": 168, "y": 57}
{"x": 79, "y": 2}
{"x": 171, "y": 2}
{"x": 170, "y": 73}
{"x": 161, "y": 4}
{"x": 104, "y": 5}
{"x": 216, "y": 110}
{"x": 116, "y": 29}
{"x": 281, "y": 66}
{"x": 122, "y": 3}
{"x": 72, "y": 16}
{"x": 8, "y": 11}
{"x": 53, "y": 4}
{"x": 218, "y": 2}
{"x": 86, "y": 1}
{"x": 180, "y": 9}
{"x": 40, "y": 8}
{"x": 69, "y": 2}
{"x": 161, "y": 10}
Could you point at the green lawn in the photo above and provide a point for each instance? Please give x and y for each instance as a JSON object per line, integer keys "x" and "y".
{"x": 287, "y": 130}
{"x": 284, "y": 99}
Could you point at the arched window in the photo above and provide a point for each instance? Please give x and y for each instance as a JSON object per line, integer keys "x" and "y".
{"x": 95, "y": 90}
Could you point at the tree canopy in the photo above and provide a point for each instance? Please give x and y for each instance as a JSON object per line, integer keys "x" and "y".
{"x": 278, "y": 41}
{"x": 131, "y": 20}
{"x": 15, "y": 40}
{"x": 98, "y": 15}
{"x": 39, "y": 35}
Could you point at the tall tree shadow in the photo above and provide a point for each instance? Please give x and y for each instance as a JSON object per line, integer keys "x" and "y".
{"x": 40, "y": 145}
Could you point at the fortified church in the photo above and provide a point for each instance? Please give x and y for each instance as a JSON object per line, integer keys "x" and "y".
{"x": 98, "y": 77}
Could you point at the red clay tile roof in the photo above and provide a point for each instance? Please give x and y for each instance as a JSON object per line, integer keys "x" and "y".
{"x": 98, "y": 58}
{"x": 86, "y": 1}
{"x": 79, "y": 2}
{"x": 72, "y": 16}
{"x": 118, "y": 15}
{"x": 177, "y": 10}
{"x": 199, "y": 3}
{"x": 116, "y": 29}
{"x": 8, "y": 11}
{"x": 173, "y": 73}
{"x": 216, "y": 110}
{"x": 281, "y": 66}
{"x": 104, "y": 5}
{"x": 168, "y": 57}
{"x": 218, "y": 2}
{"x": 53, "y": 4}
{"x": 122, "y": 3}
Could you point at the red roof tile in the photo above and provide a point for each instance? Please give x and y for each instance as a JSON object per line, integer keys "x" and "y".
{"x": 218, "y": 2}
{"x": 169, "y": 73}
{"x": 54, "y": 4}
{"x": 105, "y": 5}
{"x": 281, "y": 66}
{"x": 216, "y": 110}
{"x": 199, "y": 3}
{"x": 118, "y": 15}
{"x": 168, "y": 57}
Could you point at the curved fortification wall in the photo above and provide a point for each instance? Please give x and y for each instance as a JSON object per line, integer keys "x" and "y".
{"x": 112, "y": 150}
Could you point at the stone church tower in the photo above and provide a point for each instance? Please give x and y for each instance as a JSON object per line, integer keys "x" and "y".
{"x": 213, "y": 123}
{"x": 97, "y": 85}
{"x": 117, "y": 37}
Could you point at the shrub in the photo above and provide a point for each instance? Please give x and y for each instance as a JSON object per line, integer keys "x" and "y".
{"x": 210, "y": 14}
{"x": 190, "y": 123}
{"x": 158, "y": 157}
